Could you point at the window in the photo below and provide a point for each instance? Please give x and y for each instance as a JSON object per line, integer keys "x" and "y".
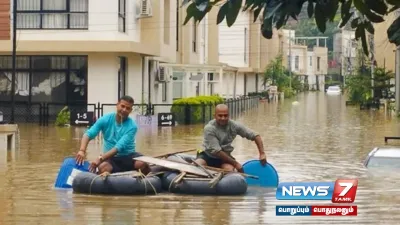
{"x": 177, "y": 24}
{"x": 211, "y": 88}
{"x": 210, "y": 77}
{"x": 56, "y": 79}
{"x": 167, "y": 21}
{"x": 177, "y": 85}
{"x": 318, "y": 63}
{"x": 164, "y": 91}
{"x": 194, "y": 37}
{"x": 245, "y": 45}
{"x": 384, "y": 162}
{"x": 122, "y": 76}
{"x": 310, "y": 60}
{"x": 296, "y": 62}
{"x": 122, "y": 16}
{"x": 52, "y": 14}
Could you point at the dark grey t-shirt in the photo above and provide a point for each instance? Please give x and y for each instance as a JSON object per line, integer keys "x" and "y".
{"x": 217, "y": 138}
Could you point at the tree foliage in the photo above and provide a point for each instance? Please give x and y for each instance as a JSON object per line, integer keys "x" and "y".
{"x": 278, "y": 75}
{"x": 359, "y": 86}
{"x": 275, "y": 13}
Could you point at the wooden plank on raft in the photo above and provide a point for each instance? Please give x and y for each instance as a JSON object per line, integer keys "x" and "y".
{"x": 183, "y": 167}
{"x": 174, "y": 153}
{"x": 202, "y": 168}
{"x": 216, "y": 179}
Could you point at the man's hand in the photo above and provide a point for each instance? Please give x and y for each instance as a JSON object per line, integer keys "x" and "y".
{"x": 239, "y": 167}
{"x": 93, "y": 166}
{"x": 80, "y": 157}
{"x": 263, "y": 159}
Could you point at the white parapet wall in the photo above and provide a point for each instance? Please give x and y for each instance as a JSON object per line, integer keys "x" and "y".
{"x": 8, "y": 136}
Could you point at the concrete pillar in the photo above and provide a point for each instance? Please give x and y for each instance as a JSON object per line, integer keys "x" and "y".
{"x": 205, "y": 83}
{"x": 187, "y": 84}
{"x": 219, "y": 88}
{"x": 235, "y": 84}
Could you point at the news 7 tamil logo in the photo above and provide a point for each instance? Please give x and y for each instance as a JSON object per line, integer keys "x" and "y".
{"x": 341, "y": 191}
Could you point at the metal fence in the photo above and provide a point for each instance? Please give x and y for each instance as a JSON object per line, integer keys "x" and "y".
{"x": 46, "y": 113}
{"x": 24, "y": 112}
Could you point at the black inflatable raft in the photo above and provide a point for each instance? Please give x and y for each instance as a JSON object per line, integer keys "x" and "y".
{"x": 230, "y": 184}
{"x": 116, "y": 184}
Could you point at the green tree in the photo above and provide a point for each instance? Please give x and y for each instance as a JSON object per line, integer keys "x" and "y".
{"x": 276, "y": 74}
{"x": 275, "y": 13}
{"x": 359, "y": 85}
{"x": 382, "y": 82}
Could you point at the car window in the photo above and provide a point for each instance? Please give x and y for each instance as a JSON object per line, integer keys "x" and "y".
{"x": 333, "y": 88}
{"x": 384, "y": 162}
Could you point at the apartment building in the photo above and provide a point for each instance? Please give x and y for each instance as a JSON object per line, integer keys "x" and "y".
{"x": 243, "y": 46}
{"x": 385, "y": 52}
{"x": 344, "y": 52}
{"x": 196, "y": 70}
{"x": 387, "y": 55}
{"x": 86, "y": 51}
{"x": 311, "y": 64}
{"x": 82, "y": 51}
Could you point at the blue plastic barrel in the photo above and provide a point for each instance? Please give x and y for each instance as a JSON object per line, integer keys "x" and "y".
{"x": 68, "y": 170}
{"x": 267, "y": 175}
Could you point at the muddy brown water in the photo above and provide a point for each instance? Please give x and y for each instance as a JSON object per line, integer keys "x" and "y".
{"x": 320, "y": 139}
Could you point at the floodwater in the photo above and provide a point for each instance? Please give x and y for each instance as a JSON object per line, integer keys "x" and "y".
{"x": 319, "y": 139}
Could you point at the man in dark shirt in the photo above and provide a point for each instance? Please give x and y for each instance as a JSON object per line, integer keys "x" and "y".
{"x": 217, "y": 142}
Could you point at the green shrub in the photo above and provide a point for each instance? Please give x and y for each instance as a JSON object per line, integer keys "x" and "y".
{"x": 63, "y": 117}
{"x": 288, "y": 92}
{"x": 196, "y": 107}
{"x": 263, "y": 94}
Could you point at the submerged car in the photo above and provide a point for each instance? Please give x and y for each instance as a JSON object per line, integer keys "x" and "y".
{"x": 333, "y": 90}
{"x": 383, "y": 157}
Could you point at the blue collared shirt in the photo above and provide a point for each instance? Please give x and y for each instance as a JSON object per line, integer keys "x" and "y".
{"x": 121, "y": 136}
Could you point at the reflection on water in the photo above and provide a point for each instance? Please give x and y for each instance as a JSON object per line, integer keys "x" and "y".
{"x": 320, "y": 139}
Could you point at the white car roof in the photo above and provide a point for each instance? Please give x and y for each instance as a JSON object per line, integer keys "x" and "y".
{"x": 388, "y": 152}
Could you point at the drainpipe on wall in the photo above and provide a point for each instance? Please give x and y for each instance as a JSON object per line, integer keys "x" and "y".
{"x": 259, "y": 49}
{"x": 150, "y": 77}
{"x": 397, "y": 80}
{"x": 259, "y": 57}
{"x": 205, "y": 78}
{"x": 143, "y": 75}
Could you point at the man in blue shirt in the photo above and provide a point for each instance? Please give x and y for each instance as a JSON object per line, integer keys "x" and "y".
{"x": 119, "y": 148}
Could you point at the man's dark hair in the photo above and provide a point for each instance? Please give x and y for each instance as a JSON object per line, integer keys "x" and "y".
{"x": 127, "y": 98}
